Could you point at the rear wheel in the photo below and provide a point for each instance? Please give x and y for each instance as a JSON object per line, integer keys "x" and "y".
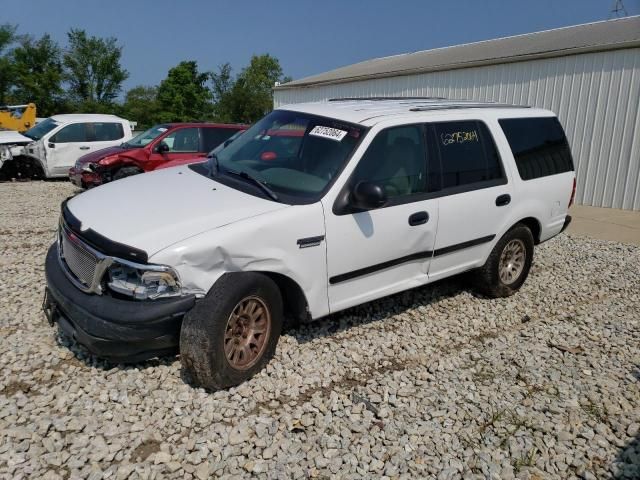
{"x": 232, "y": 333}
{"x": 123, "y": 172}
{"x": 508, "y": 265}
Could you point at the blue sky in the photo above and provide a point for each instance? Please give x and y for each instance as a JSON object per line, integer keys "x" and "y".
{"x": 308, "y": 37}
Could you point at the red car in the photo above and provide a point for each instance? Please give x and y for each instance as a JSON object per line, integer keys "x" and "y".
{"x": 170, "y": 143}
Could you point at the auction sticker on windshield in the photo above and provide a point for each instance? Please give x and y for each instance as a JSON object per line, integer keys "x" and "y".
{"x": 328, "y": 132}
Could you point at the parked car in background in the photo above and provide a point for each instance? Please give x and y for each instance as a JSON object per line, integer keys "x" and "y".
{"x": 170, "y": 142}
{"x": 57, "y": 142}
{"x": 317, "y": 208}
{"x": 191, "y": 160}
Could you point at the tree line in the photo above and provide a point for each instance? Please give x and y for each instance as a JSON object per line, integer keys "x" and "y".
{"x": 86, "y": 76}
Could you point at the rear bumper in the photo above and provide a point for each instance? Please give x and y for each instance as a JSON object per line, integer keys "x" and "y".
{"x": 111, "y": 328}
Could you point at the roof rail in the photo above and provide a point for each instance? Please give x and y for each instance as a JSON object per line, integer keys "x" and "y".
{"x": 377, "y": 99}
{"x": 453, "y": 106}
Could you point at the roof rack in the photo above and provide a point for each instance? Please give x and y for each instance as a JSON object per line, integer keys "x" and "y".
{"x": 467, "y": 105}
{"x": 377, "y": 99}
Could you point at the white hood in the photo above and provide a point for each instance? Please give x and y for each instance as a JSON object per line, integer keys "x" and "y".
{"x": 154, "y": 210}
{"x": 8, "y": 137}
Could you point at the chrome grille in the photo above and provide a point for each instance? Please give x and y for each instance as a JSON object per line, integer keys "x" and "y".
{"x": 79, "y": 261}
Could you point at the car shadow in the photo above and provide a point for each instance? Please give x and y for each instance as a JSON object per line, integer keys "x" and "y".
{"x": 83, "y": 356}
{"x": 370, "y": 312}
{"x": 378, "y": 310}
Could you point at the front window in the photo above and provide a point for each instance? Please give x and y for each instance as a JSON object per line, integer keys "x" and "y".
{"x": 296, "y": 155}
{"x": 183, "y": 140}
{"x": 145, "y": 138}
{"x": 41, "y": 129}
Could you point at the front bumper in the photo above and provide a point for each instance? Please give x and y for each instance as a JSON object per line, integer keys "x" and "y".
{"x": 111, "y": 328}
{"x": 84, "y": 179}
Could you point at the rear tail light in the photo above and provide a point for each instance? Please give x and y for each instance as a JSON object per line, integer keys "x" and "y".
{"x": 573, "y": 193}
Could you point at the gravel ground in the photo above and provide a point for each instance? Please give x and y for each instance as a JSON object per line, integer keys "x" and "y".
{"x": 432, "y": 383}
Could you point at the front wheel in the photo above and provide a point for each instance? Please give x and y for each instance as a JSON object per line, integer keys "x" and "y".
{"x": 232, "y": 333}
{"x": 124, "y": 172}
{"x": 508, "y": 265}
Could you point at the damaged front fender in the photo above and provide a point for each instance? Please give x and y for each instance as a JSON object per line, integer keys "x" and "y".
{"x": 269, "y": 243}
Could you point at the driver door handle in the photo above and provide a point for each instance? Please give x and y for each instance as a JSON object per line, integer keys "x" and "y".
{"x": 84, "y": 148}
{"x": 418, "y": 218}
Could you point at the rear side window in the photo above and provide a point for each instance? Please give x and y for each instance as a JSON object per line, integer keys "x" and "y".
{"x": 212, "y": 137}
{"x": 107, "y": 132}
{"x": 465, "y": 154}
{"x": 539, "y": 146}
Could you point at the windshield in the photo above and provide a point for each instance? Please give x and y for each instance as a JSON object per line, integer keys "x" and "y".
{"x": 41, "y": 129}
{"x": 145, "y": 138}
{"x": 296, "y": 155}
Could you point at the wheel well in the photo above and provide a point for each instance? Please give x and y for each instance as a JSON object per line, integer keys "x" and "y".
{"x": 293, "y": 298}
{"x": 534, "y": 226}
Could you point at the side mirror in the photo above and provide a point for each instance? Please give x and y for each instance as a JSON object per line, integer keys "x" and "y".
{"x": 162, "y": 148}
{"x": 367, "y": 196}
{"x": 51, "y": 145}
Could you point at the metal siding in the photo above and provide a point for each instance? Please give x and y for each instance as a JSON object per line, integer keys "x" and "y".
{"x": 596, "y": 97}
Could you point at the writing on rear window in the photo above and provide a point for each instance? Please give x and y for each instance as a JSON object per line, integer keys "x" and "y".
{"x": 459, "y": 137}
{"x": 328, "y": 132}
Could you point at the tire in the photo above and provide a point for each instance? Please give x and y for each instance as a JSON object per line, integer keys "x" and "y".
{"x": 211, "y": 325}
{"x": 488, "y": 279}
{"x": 125, "y": 172}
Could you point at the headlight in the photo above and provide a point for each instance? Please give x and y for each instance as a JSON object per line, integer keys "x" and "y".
{"x": 89, "y": 167}
{"x": 143, "y": 282}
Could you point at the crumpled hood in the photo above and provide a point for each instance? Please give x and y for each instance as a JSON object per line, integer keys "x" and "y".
{"x": 154, "y": 210}
{"x": 10, "y": 137}
{"x": 95, "y": 157}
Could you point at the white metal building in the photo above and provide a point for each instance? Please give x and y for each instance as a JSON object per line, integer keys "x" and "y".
{"x": 588, "y": 74}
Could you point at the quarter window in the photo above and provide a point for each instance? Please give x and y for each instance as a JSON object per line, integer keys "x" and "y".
{"x": 396, "y": 161}
{"x": 539, "y": 146}
{"x": 465, "y": 153}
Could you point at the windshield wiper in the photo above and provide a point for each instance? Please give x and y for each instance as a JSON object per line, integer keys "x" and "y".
{"x": 262, "y": 185}
{"x": 214, "y": 163}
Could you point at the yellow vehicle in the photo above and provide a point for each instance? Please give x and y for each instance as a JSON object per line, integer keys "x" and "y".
{"x": 18, "y": 117}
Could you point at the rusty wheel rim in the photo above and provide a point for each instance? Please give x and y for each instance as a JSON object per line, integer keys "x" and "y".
{"x": 512, "y": 261}
{"x": 247, "y": 332}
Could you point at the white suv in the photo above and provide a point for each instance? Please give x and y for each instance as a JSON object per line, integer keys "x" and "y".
{"x": 54, "y": 145}
{"x": 316, "y": 208}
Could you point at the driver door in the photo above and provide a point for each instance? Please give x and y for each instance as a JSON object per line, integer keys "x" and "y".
{"x": 65, "y": 147}
{"x": 383, "y": 250}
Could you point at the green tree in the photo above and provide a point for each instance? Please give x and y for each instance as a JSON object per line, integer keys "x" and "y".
{"x": 141, "y": 105}
{"x": 183, "y": 95}
{"x": 93, "y": 71}
{"x": 7, "y": 38}
{"x": 37, "y": 71}
{"x": 222, "y": 85}
{"x": 249, "y": 97}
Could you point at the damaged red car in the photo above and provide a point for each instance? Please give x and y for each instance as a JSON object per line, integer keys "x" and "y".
{"x": 169, "y": 143}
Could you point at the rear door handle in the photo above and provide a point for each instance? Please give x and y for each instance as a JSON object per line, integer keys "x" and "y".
{"x": 418, "y": 218}
{"x": 84, "y": 148}
{"x": 503, "y": 200}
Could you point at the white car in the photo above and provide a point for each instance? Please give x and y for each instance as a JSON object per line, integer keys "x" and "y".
{"x": 54, "y": 144}
{"x": 316, "y": 208}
